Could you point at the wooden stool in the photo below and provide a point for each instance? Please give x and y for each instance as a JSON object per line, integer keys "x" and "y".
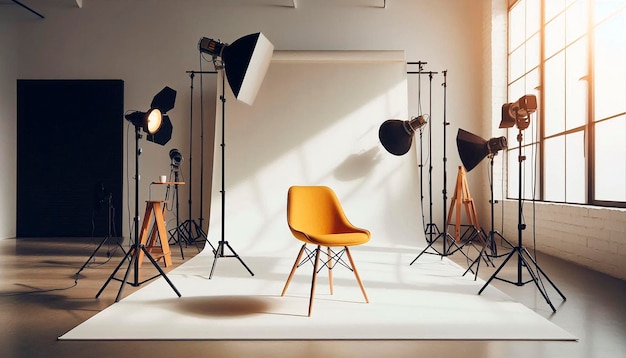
{"x": 159, "y": 249}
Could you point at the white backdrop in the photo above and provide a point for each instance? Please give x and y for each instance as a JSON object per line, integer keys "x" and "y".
{"x": 315, "y": 122}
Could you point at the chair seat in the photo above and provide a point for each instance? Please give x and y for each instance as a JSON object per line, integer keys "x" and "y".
{"x": 347, "y": 239}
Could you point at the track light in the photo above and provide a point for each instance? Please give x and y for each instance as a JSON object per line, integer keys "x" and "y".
{"x": 397, "y": 135}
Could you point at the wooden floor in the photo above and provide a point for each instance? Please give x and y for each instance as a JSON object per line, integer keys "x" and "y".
{"x": 41, "y": 298}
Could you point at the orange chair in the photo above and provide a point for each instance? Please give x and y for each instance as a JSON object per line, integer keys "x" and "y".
{"x": 316, "y": 217}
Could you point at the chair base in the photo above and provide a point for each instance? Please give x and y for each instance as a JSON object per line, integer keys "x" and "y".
{"x": 332, "y": 259}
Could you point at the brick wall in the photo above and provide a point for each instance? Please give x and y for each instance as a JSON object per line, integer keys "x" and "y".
{"x": 589, "y": 236}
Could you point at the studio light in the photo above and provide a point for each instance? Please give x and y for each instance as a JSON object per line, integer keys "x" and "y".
{"x": 397, "y": 135}
{"x": 518, "y": 113}
{"x": 159, "y": 129}
{"x": 149, "y": 121}
{"x": 473, "y": 149}
{"x": 155, "y": 122}
{"x": 245, "y": 62}
{"x": 176, "y": 158}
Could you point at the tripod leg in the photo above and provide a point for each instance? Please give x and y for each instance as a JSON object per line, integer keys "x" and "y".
{"x": 161, "y": 272}
{"x": 93, "y": 254}
{"x": 239, "y": 258}
{"x": 201, "y": 233}
{"x": 130, "y": 264}
{"x": 498, "y": 270}
{"x": 220, "y": 248}
{"x": 430, "y": 244}
{"x": 544, "y": 274}
{"x": 535, "y": 279}
{"x": 114, "y": 272}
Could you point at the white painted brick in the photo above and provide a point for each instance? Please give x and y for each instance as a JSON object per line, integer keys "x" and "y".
{"x": 613, "y": 225}
{"x": 599, "y": 244}
{"x": 621, "y": 249}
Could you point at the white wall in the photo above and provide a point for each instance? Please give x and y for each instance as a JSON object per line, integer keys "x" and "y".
{"x": 152, "y": 43}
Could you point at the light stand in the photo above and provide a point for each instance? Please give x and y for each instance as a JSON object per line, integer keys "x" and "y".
{"x": 520, "y": 113}
{"x": 110, "y": 211}
{"x": 151, "y": 122}
{"x": 449, "y": 245}
{"x": 222, "y": 244}
{"x": 472, "y": 150}
{"x": 192, "y": 229}
{"x": 430, "y": 228}
{"x": 244, "y": 63}
{"x": 493, "y": 247}
{"x": 176, "y": 159}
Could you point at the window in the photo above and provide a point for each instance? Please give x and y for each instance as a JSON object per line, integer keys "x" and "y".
{"x": 571, "y": 55}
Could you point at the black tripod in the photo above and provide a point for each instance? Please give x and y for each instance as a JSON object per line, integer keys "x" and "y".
{"x": 133, "y": 254}
{"x": 222, "y": 244}
{"x": 110, "y": 216}
{"x": 490, "y": 240}
{"x": 430, "y": 229}
{"x": 176, "y": 232}
{"x": 449, "y": 243}
{"x": 190, "y": 227}
{"x": 524, "y": 259}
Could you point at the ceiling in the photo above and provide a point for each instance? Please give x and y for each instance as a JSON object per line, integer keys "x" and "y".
{"x": 31, "y": 9}
{"x": 26, "y": 10}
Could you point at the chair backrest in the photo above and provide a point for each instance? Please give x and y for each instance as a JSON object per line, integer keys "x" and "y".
{"x": 315, "y": 210}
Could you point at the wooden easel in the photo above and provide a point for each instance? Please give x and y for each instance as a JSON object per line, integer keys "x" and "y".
{"x": 159, "y": 249}
{"x": 463, "y": 197}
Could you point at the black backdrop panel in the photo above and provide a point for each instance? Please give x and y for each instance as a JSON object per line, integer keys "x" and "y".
{"x": 69, "y": 157}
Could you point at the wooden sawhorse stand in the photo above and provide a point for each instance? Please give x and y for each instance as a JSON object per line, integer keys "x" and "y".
{"x": 473, "y": 232}
{"x": 159, "y": 249}
{"x": 463, "y": 197}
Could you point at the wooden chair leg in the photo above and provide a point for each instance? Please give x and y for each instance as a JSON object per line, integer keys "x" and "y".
{"x": 317, "y": 259}
{"x": 293, "y": 270}
{"x": 356, "y": 274}
{"x": 329, "y": 264}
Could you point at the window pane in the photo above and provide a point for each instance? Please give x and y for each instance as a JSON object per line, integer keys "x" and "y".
{"x": 533, "y": 17}
{"x": 610, "y": 71}
{"x": 553, "y": 7}
{"x": 575, "y": 173}
{"x": 555, "y": 36}
{"x": 554, "y": 169}
{"x": 530, "y": 176}
{"x": 576, "y": 21}
{"x": 532, "y": 53}
{"x": 610, "y": 163}
{"x": 576, "y": 85}
{"x": 554, "y": 92}
{"x": 603, "y": 8}
{"x": 517, "y": 25}
{"x": 532, "y": 87}
{"x": 516, "y": 64}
